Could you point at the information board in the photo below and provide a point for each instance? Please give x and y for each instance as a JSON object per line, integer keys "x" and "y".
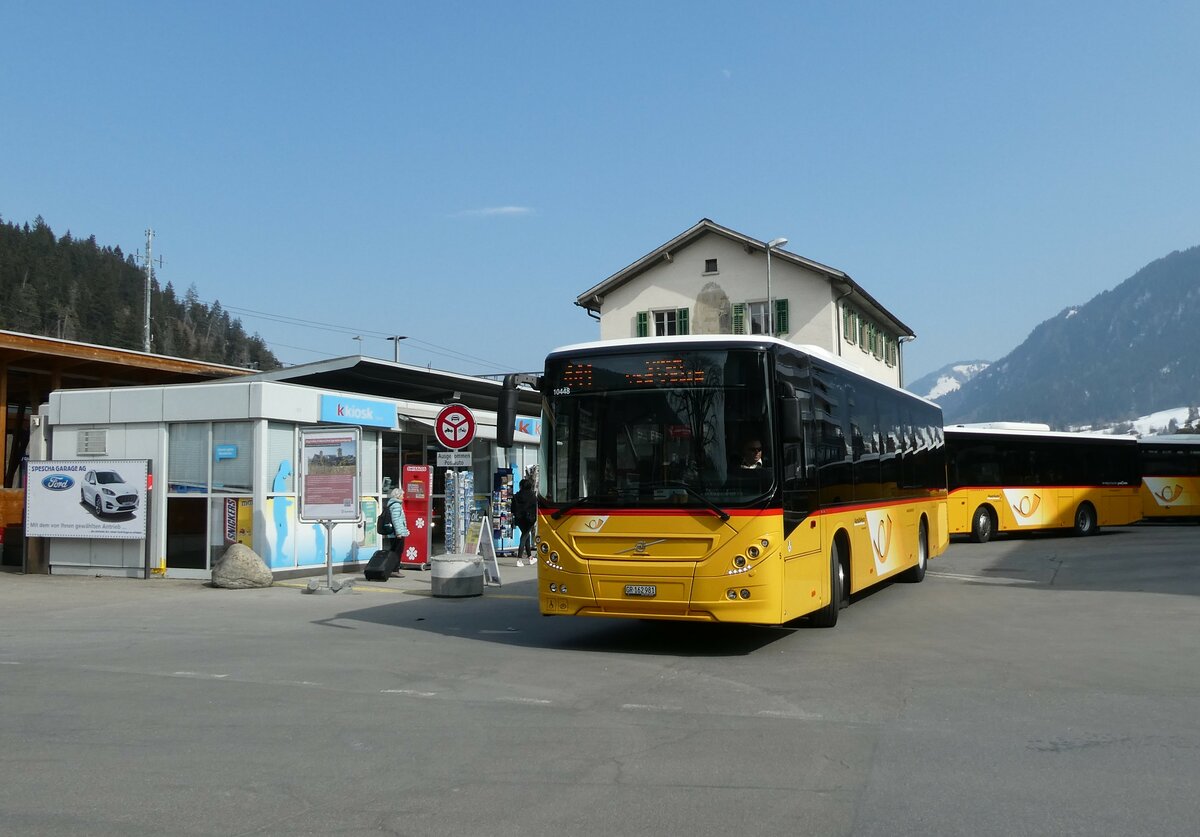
{"x": 329, "y": 474}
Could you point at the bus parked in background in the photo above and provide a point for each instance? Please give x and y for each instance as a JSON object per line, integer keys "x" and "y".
{"x": 1170, "y": 468}
{"x": 1014, "y": 477}
{"x": 728, "y": 479}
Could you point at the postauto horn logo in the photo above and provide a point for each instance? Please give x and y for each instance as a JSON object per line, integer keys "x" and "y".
{"x": 58, "y": 482}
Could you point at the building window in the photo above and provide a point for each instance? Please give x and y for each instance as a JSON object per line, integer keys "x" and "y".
{"x": 757, "y": 317}
{"x": 670, "y": 322}
{"x": 849, "y": 325}
{"x": 710, "y": 265}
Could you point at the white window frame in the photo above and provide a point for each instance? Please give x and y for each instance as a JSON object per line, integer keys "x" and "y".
{"x": 664, "y": 322}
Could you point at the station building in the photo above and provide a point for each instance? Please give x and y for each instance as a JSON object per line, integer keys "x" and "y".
{"x": 224, "y": 451}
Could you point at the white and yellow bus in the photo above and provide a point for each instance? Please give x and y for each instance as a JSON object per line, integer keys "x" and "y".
{"x": 1170, "y": 467}
{"x": 1014, "y": 477}
{"x": 654, "y": 502}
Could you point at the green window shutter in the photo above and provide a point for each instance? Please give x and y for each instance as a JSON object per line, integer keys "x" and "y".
{"x": 643, "y": 323}
{"x": 681, "y": 321}
{"x": 739, "y": 317}
{"x": 781, "y": 317}
{"x": 847, "y": 325}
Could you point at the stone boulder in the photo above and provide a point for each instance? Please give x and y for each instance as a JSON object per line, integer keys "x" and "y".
{"x": 240, "y": 567}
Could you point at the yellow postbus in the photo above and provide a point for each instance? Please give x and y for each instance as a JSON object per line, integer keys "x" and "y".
{"x": 1170, "y": 467}
{"x": 728, "y": 479}
{"x": 1015, "y": 477}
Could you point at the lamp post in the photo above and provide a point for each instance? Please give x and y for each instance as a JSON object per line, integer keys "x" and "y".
{"x": 396, "y": 345}
{"x": 771, "y": 245}
{"x": 358, "y": 337}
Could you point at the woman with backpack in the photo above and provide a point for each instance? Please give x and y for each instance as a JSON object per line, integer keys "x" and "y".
{"x": 393, "y": 519}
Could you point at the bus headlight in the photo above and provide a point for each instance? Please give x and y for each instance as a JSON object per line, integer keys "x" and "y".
{"x": 745, "y": 593}
{"x": 739, "y": 561}
{"x": 543, "y": 547}
{"x": 731, "y": 595}
{"x": 765, "y": 543}
{"x": 752, "y": 551}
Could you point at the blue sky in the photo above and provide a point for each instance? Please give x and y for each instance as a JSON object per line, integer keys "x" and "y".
{"x": 460, "y": 172}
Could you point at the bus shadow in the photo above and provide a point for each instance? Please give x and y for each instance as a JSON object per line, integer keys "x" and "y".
{"x": 512, "y": 618}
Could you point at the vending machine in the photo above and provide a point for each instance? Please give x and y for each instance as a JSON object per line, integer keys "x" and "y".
{"x": 418, "y": 513}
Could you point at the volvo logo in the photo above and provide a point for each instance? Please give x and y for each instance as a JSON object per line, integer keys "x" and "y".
{"x": 639, "y": 548}
{"x": 58, "y": 482}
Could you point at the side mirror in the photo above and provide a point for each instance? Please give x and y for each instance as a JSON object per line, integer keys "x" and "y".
{"x": 506, "y": 414}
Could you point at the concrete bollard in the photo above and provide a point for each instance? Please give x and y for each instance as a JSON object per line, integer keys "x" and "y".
{"x": 456, "y": 575}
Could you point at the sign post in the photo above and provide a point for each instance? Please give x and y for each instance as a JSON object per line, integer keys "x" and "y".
{"x": 454, "y": 428}
{"x": 328, "y": 484}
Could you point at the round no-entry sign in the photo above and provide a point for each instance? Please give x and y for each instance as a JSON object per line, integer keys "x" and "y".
{"x": 455, "y": 426}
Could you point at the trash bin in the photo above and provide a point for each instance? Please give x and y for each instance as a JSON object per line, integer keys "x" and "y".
{"x": 456, "y": 576}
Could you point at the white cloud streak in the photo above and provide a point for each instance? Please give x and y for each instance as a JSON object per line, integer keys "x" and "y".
{"x": 494, "y": 211}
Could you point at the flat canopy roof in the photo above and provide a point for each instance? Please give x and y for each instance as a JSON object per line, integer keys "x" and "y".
{"x": 386, "y": 379}
{"x": 34, "y": 366}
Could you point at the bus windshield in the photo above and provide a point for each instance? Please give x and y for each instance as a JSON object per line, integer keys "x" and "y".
{"x": 658, "y": 429}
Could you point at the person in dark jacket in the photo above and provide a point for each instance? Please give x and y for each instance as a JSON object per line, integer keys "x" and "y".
{"x": 524, "y": 511}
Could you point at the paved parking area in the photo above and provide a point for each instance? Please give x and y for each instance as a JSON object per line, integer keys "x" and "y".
{"x": 1034, "y": 685}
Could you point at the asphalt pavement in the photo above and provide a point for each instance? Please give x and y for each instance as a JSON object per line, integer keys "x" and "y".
{"x": 1033, "y": 685}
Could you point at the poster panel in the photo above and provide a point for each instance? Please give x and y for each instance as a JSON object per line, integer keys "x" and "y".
{"x": 329, "y": 473}
{"x": 89, "y": 498}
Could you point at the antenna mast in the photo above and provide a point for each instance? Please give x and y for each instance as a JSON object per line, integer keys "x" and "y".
{"x": 149, "y": 279}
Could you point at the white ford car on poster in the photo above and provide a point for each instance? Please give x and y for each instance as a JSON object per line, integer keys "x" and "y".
{"x": 106, "y": 492}
{"x": 91, "y": 498}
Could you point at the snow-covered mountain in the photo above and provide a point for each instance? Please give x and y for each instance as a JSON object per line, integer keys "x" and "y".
{"x": 1175, "y": 420}
{"x": 1129, "y": 351}
{"x": 947, "y": 379}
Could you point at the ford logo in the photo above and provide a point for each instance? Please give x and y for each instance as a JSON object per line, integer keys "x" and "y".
{"x": 58, "y": 482}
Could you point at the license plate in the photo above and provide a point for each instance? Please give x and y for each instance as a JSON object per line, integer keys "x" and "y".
{"x": 644, "y": 590}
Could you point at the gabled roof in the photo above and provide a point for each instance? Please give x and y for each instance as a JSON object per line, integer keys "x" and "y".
{"x": 593, "y": 297}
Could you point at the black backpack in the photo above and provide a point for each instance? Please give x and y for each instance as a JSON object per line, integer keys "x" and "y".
{"x": 384, "y": 524}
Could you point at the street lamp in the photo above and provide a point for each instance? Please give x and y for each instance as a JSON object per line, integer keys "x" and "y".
{"x": 771, "y": 245}
{"x": 358, "y": 337}
{"x": 396, "y": 345}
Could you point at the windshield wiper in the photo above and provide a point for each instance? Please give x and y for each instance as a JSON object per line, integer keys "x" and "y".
{"x": 579, "y": 502}
{"x": 695, "y": 495}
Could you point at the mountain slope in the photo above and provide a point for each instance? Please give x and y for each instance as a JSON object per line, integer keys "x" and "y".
{"x": 946, "y": 380}
{"x": 75, "y": 289}
{"x": 1127, "y": 352}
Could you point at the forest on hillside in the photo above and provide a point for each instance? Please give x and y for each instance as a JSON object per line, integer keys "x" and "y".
{"x": 76, "y": 289}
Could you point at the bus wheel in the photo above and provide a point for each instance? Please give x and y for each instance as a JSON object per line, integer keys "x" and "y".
{"x": 1085, "y": 520}
{"x": 839, "y": 596}
{"x": 981, "y": 525}
{"x": 915, "y": 575}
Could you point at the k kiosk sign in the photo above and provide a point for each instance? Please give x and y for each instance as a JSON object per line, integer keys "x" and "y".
{"x": 337, "y": 409}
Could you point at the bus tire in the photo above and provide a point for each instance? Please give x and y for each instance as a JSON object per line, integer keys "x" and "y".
{"x": 839, "y": 587}
{"x": 1085, "y": 520}
{"x": 983, "y": 525}
{"x": 915, "y": 575}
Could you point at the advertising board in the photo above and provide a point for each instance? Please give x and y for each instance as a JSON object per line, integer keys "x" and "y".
{"x": 90, "y": 498}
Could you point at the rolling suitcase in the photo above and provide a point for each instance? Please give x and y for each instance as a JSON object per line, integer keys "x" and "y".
{"x": 382, "y": 564}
